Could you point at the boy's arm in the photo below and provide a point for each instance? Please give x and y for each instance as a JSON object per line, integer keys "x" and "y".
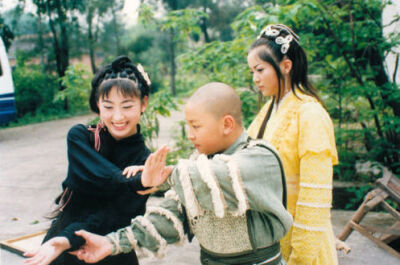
{"x": 160, "y": 226}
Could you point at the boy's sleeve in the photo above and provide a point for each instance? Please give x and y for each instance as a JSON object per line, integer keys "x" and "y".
{"x": 250, "y": 179}
{"x": 92, "y": 169}
{"x": 161, "y": 225}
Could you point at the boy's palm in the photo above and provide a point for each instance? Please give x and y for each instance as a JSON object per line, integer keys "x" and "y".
{"x": 95, "y": 249}
{"x": 155, "y": 172}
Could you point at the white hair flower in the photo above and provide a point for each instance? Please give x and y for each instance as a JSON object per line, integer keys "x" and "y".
{"x": 269, "y": 31}
{"x": 144, "y": 74}
{"x": 284, "y": 42}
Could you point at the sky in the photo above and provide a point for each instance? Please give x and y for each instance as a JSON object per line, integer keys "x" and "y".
{"x": 130, "y": 10}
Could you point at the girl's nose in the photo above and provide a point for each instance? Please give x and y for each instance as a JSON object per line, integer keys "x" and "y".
{"x": 118, "y": 115}
{"x": 256, "y": 79}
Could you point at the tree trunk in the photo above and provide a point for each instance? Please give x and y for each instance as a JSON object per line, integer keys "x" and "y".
{"x": 203, "y": 23}
{"x": 172, "y": 62}
{"x": 91, "y": 42}
{"x": 115, "y": 25}
{"x": 61, "y": 48}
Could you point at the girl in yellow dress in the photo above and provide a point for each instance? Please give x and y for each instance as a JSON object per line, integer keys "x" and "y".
{"x": 295, "y": 122}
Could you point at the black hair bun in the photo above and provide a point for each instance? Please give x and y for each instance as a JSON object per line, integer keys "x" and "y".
{"x": 121, "y": 63}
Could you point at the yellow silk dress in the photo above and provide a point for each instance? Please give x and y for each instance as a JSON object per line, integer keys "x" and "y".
{"x": 302, "y": 132}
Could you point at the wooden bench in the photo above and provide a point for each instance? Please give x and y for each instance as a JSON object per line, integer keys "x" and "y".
{"x": 387, "y": 187}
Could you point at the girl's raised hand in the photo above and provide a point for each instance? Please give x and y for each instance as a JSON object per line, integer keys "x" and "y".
{"x": 154, "y": 172}
{"x": 132, "y": 171}
{"x": 47, "y": 252}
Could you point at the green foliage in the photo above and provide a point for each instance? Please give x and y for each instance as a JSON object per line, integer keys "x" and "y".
{"x": 184, "y": 22}
{"x": 34, "y": 90}
{"x": 76, "y": 81}
{"x": 182, "y": 148}
{"x": 160, "y": 103}
{"x": 356, "y": 196}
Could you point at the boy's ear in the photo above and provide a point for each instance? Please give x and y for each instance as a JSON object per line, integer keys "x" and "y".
{"x": 144, "y": 103}
{"x": 229, "y": 124}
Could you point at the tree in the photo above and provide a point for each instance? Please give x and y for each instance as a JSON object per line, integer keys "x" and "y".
{"x": 94, "y": 12}
{"x": 59, "y": 13}
{"x": 5, "y": 33}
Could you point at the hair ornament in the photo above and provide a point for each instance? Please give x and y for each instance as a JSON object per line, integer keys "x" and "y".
{"x": 144, "y": 74}
{"x": 269, "y": 31}
{"x": 284, "y": 42}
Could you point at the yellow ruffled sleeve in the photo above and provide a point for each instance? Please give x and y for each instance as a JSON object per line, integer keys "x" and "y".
{"x": 317, "y": 153}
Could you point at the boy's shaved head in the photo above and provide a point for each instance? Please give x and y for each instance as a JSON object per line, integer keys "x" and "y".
{"x": 218, "y": 99}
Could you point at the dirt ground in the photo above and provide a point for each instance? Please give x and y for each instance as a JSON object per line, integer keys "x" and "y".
{"x": 33, "y": 164}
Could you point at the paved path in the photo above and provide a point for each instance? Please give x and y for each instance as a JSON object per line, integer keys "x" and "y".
{"x": 33, "y": 164}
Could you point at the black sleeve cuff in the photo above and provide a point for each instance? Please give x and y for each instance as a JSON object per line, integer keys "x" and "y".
{"x": 69, "y": 232}
{"x": 136, "y": 183}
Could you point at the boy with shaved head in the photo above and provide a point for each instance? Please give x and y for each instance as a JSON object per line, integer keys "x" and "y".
{"x": 230, "y": 194}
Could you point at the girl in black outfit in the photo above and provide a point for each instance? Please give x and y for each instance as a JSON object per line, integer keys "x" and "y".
{"x": 97, "y": 196}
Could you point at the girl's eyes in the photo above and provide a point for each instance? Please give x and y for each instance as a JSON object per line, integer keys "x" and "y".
{"x": 107, "y": 107}
{"x": 196, "y": 126}
{"x": 127, "y": 107}
{"x": 259, "y": 70}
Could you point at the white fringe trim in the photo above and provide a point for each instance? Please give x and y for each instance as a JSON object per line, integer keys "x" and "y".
{"x": 207, "y": 175}
{"x": 153, "y": 232}
{"x": 115, "y": 239}
{"x": 171, "y": 194}
{"x": 131, "y": 237}
{"x": 309, "y": 228}
{"x": 192, "y": 206}
{"x": 315, "y": 205}
{"x": 315, "y": 186}
{"x": 169, "y": 215}
{"x": 237, "y": 184}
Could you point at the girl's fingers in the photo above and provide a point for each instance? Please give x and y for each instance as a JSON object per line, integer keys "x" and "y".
{"x": 30, "y": 253}
{"x": 125, "y": 171}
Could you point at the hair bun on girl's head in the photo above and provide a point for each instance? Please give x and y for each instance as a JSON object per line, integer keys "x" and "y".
{"x": 120, "y": 63}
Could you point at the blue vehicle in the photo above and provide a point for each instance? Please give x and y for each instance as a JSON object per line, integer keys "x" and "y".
{"x": 7, "y": 99}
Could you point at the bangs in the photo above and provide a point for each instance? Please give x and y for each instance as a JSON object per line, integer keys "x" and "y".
{"x": 125, "y": 86}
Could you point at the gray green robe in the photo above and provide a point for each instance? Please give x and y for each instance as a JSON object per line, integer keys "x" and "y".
{"x": 231, "y": 201}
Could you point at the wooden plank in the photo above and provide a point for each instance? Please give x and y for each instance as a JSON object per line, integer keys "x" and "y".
{"x": 381, "y": 244}
{"x": 391, "y": 210}
{"x": 358, "y": 215}
{"x": 387, "y": 238}
{"x": 25, "y": 243}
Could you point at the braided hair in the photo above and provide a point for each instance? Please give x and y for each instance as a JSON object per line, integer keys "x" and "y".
{"x": 270, "y": 48}
{"x": 121, "y": 74}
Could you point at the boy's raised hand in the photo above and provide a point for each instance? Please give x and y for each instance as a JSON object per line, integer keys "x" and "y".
{"x": 95, "y": 249}
{"x": 155, "y": 172}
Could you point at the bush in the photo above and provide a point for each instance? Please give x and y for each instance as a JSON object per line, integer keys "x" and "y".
{"x": 34, "y": 90}
{"x": 77, "y": 85}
